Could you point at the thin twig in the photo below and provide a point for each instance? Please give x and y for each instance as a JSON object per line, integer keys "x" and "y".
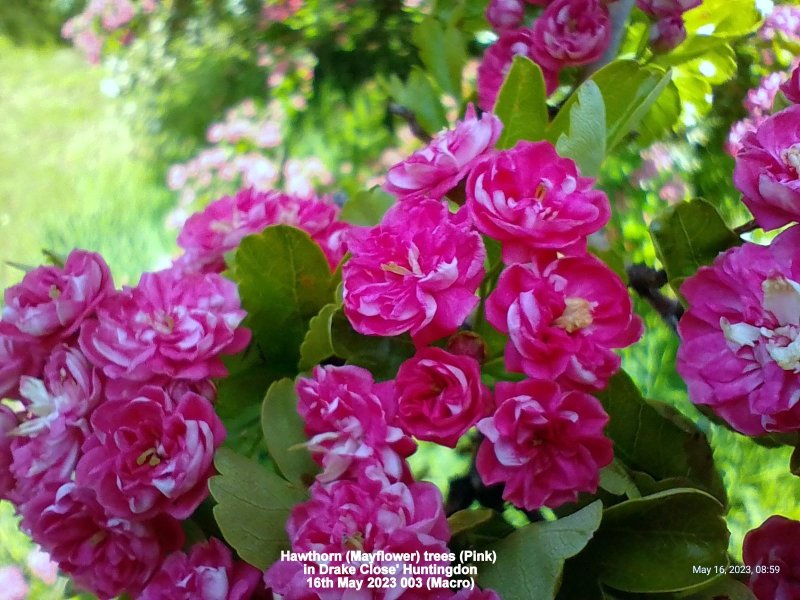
{"x": 746, "y": 227}
{"x": 647, "y": 283}
{"x": 411, "y": 119}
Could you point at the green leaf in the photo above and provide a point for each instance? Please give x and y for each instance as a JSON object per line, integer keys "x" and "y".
{"x": 586, "y": 141}
{"x": 284, "y": 280}
{"x": 615, "y": 479}
{"x": 728, "y": 19}
{"x": 529, "y": 561}
{"x": 284, "y": 434}
{"x": 522, "y": 103}
{"x": 652, "y": 544}
{"x": 688, "y": 236}
{"x": 476, "y": 529}
{"x": 367, "y": 207}
{"x": 647, "y": 440}
{"x": 723, "y": 588}
{"x": 253, "y": 505}
{"x": 662, "y": 117}
{"x": 381, "y": 355}
{"x": 317, "y": 345}
{"x": 443, "y": 52}
{"x": 419, "y": 96}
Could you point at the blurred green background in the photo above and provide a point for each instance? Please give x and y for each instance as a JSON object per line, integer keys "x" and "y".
{"x": 86, "y": 151}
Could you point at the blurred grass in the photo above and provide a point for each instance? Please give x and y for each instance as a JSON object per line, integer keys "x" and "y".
{"x": 70, "y": 176}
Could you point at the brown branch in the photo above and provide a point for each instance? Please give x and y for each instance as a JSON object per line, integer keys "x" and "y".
{"x": 411, "y": 119}
{"x": 647, "y": 283}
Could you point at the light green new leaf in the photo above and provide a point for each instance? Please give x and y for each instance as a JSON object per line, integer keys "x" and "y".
{"x": 443, "y": 52}
{"x": 284, "y": 434}
{"x": 317, "y": 345}
{"x": 727, "y": 19}
{"x": 366, "y": 207}
{"x": 419, "y": 96}
{"x": 586, "y": 141}
{"x": 651, "y": 544}
{"x": 522, "y": 103}
{"x": 253, "y": 505}
{"x": 530, "y": 560}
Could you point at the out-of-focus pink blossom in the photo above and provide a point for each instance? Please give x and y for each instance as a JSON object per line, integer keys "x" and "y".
{"x": 545, "y": 444}
{"x": 351, "y": 420}
{"x": 660, "y": 9}
{"x": 172, "y": 323}
{"x": 564, "y": 320}
{"x": 440, "y": 396}
{"x": 439, "y": 167}
{"x": 667, "y": 33}
{"x": 416, "y": 272}
{"x": 13, "y": 583}
{"x": 531, "y": 200}
{"x": 505, "y": 14}
{"x": 42, "y": 566}
{"x": 739, "y": 337}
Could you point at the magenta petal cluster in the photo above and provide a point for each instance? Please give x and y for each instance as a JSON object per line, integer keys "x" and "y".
{"x": 564, "y": 321}
{"x": 173, "y": 324}
{"x": 767, "y": 168}
{"x": 446, "y": 160}
{"x": 571, "y": 33}
{"x": 505, "y": 14}
{"x": 497, "y": 62}
{"x": 207, "y": 236}
{"x": 208, "y": 572}
{"x": 20, "y": 354}
{"x": 530, "y": 199}
{"x": 8, "y": 423}
{"x": 416, "y": 272}
{"x": 791, "y": 88}
{"x": 545, "y": 444}
{"x": 350, "y": 421}
{"x": 740, "y": 337}
{"x": 51, "y": 302}
{"x": 369, "y": 514}
{"x": 106, "y": 555}
{"x": 667, "y": 33}
{"x": 666, "y": 8}
{"x": 151, "y": 455}
{"x": 440, "y": 396}
{"x": 773, "y": 555}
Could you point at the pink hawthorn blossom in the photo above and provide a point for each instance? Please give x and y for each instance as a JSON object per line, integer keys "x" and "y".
{"x": 152, "y": 454}
{"x": 505, "y": 14}
{"x": 667, "y": 33}
{"x": 570, "y": 33}
{"x": 20, "y": 354}
{"x": 531, "y": 200}
{"x": 440, "y": 396}
{"x": 739, "y": 352}
{"x": 104, "y": 555}
{"x": 767, "y": 170}
{"x": 368, "y": 514}
{"x": 791, "y": 88}
{"x": 773, "y": 555}
{"x": 439, "y": 167}
{"x": 497, "y": 62}
{"x": 208, "y": 572}
{"x": 8, "y": 423}
{"x": 51, "y": 302}
{"x": 13, "y": 584}
{"x": 564, "y": 320}
{"x": 545, "y": 444}
{"x": 417, "y": 271}
{"x": 172, "y": 323}
{"x": 660, "y": 9}
{"x": 351, "y": 420}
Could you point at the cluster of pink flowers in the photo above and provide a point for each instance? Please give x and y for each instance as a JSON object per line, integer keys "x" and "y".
{"x": 668, "y": 30}
{"x": 101, "y": 19}
{"x": 110, "y": 439}
{"x": 244, "y": 153}
{"x": 567, "y": 33}
{"x": 564, "y": 311}
{"x": 208, "y": 235}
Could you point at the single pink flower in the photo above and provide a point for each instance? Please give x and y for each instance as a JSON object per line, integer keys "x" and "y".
{"x": 350, "y": 420}
{"x": 531, "y": 200}
{"x": 497, "y": 62}
{"x": 439, "y": 167}
{"x": 773, "y": 556}
{"x": 740, "y": 349}
{"x": 571, "y": 33}
{"x": 667, "y": 33}
{"x": 767, "y": 169}
{"x": 564, "y": 320}
{"x": 151, "y": 455}
{"x": 505, "y": 14}
{"x": 417, "y": 271}
{"x": 368, "y": 514}
{"x": 440, "y": 396}
{"x": 545, "y": 444}
{"x": 51, "y": 302}
{"x": 173, "y": 324}
{"x": 660, "y": 9}
{"x": 104, "y": 555}
{"x": 208, "y": 572}
{"x": 207, "y": 236}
